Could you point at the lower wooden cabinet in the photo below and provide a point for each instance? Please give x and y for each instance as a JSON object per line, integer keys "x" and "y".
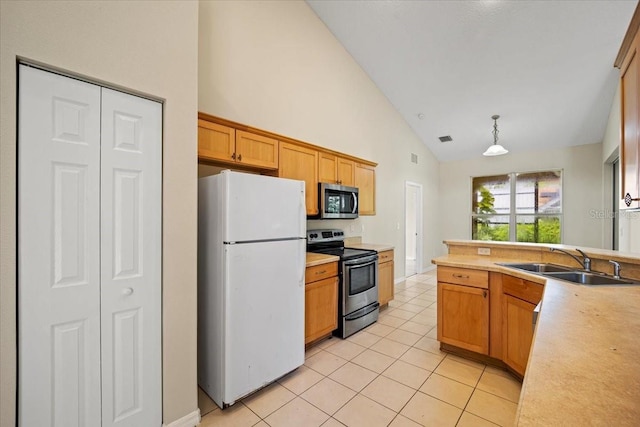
{"x": 321, "y": 301}
{"x": 517, "y": 332}
{"x": 487, "y": 314}
{"x": 519, "y": 298}
{"x": 385, "y": 277}
{"x": 463, "y": 317}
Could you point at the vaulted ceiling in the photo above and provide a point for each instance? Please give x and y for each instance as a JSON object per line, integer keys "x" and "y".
{"x": 546, "y": 67}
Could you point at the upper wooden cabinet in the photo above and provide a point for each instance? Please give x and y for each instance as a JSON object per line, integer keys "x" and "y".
{"x": 365, "y": 180}
{"x": 225, "y": 144}
{"x": 297, "y": 162}
{"x": 216, "y": 142}
{"x": 256, "y": 150}
{"x": 335, "y": 169}
{"x": 243, "y": 147}
{"x": 628, "y": 62}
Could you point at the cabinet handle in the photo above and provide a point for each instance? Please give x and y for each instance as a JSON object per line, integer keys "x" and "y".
{"x": 321, "y": 272}
{"x": 628, "y": 199}
{"x": 239, "y": 157}
{"x": 233, "y": 156}
{"x": 484, "y": 294}
{"x": 461, "y": 276}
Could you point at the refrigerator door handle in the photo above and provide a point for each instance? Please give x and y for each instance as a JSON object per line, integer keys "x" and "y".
{"x": 302, "y": 262}
{"x": 303, "y": 214}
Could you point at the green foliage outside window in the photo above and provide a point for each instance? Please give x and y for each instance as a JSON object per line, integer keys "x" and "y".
{"x": 537, "y": 202}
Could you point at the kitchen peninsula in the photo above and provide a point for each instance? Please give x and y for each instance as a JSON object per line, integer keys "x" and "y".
{"x": 583, "y": 365}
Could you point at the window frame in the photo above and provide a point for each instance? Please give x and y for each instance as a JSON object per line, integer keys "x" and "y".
{"x": 513, "y": 215}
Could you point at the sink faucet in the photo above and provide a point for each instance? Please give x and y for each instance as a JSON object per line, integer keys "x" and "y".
{"x": 616, "y": 269}
{"x": 586, "y": 261}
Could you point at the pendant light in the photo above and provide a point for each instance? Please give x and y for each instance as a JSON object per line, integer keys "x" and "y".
{"x": 495, "y": 149}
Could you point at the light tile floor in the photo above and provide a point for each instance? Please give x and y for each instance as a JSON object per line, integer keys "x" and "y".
{"x": 389, "y": 374}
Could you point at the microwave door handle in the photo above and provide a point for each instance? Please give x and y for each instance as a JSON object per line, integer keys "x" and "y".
{"x": 355, "y": 203}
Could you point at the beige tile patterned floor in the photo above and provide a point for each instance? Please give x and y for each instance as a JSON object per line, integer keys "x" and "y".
{"x": 390, "y": 374}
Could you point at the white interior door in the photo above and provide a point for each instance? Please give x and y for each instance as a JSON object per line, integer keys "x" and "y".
{"x": 131, "y": 260}
{"x": 88, "y": 254}
{"x": 58, "y": 250}
{"x": 413, "y": 228}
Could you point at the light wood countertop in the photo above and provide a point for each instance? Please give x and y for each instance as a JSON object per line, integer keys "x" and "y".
{"x": 314, "y": 259}
{"x": 584, "y": 365}
{"x": 371, "y": 247}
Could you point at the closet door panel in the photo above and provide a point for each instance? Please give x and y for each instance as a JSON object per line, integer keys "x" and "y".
{"x": 131, "y": 259}
{"x": 58, "y": 250}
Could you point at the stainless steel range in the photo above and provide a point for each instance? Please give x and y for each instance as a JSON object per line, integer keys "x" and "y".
{"x": 358, "y": 305}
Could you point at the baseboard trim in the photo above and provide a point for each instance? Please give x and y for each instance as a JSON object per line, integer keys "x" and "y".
{"x": 189, "y": 420}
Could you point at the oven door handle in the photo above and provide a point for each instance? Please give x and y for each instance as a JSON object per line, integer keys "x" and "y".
{"x": 357, "y": 263}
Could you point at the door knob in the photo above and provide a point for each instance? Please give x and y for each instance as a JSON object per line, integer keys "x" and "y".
{"x": 127, "y": 291}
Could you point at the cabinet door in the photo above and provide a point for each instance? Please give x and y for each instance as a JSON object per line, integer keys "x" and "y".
{"x": 327, "y": 168}
{"x": 256, "y": 150}
{"x": 517, "y": 324}
{"x": 385, "y": 282}
{"x": 321, "y": 308}
{"x": 463, "y": 317}
{"x": 346, "y": 172}
{"x": 630, "y": 85}
{"x": 365, "y": 180}
{"x": 297, "y": 162}
{"x": 216, "y": 142}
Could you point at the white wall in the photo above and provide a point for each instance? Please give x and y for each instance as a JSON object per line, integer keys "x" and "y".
{"x": 629, "y": 221}
{"x": 582, "y": 190}
{"x": 143, "y": 46}
{"x": 275, "y": 66}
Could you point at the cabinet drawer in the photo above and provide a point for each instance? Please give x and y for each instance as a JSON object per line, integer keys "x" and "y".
{"x": 464, "y": 276}
{"x": 523, "y": 289}
{"x": 322, "y": 271}
{"x": 385, "y": 256}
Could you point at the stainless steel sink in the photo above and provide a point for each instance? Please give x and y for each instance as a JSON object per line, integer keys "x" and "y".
{"x": 586, "y": 278}
{"x": 569, "y": 274}
{"x": 537, "y": 267}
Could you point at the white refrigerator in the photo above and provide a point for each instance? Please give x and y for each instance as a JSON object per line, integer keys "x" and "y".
{"x": 251, "y": 266}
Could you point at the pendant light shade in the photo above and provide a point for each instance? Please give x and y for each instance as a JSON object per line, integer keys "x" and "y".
{"x": 495, "y": 149}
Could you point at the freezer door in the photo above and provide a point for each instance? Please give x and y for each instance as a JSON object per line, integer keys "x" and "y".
{"x": 262, "y": 207}
{"x": 264, "y": 314}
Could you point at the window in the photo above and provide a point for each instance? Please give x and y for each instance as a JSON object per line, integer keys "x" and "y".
{"x": 518, "y": 207}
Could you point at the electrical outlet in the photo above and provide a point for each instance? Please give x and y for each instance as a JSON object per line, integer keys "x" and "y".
{"x": 484, "y": 251}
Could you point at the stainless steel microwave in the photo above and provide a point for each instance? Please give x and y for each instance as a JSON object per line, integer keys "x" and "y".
{"x": 337, "y": 201}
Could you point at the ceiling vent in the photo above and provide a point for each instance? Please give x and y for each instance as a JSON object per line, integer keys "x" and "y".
{"x": 446, "y": 138}
{"x": 414, "y": 158}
